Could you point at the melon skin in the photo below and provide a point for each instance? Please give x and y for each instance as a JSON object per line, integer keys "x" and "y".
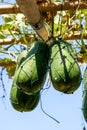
{"x": 21, "y": 101}
{"x": 21, "y": 57}
{"x": 31, "y": 73}
{"x": 64, "y": 69}
{"x": 84, "y": 97}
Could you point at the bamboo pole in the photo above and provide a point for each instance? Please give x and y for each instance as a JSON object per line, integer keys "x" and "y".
{"x": 8, "y": 9}
{"x": 30, "y": 9}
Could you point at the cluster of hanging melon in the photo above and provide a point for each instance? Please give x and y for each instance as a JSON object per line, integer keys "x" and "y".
{"x": 32, "y": 66}
{"x": 29, "y": 77}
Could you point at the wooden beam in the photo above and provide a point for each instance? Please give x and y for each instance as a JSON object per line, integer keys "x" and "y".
{"x": 28, "y": 39}
{"x": 9, "y": 9}
{"x": 16, "y": 41}
{"x": 62, "y": 7}
{"x": 75, "y": 36}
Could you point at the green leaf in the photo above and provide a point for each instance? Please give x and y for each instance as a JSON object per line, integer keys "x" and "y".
{"x": 7, "y": 18}
{"x": 84, "y": 11}
{"x": 6, "y": 26}
{"x": 2, "y": 36}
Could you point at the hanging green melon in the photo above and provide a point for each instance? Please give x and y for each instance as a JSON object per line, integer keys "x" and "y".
{"x": 64, "y": 69}
{"x": 21, "y": 101}
{"x": 32, "y": 71}
{"x": 84, "y": 98}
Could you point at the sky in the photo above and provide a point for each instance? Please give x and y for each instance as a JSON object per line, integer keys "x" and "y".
{"x": 66, "y": 108}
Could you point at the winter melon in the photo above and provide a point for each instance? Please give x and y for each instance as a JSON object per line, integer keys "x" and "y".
{"x": 31, "y": 73}
{"x": 84, "y": 98}
{"x": 64, "y": 70}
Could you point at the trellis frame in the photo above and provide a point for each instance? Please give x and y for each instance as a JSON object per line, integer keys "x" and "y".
{"x": 57, "y": 6}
